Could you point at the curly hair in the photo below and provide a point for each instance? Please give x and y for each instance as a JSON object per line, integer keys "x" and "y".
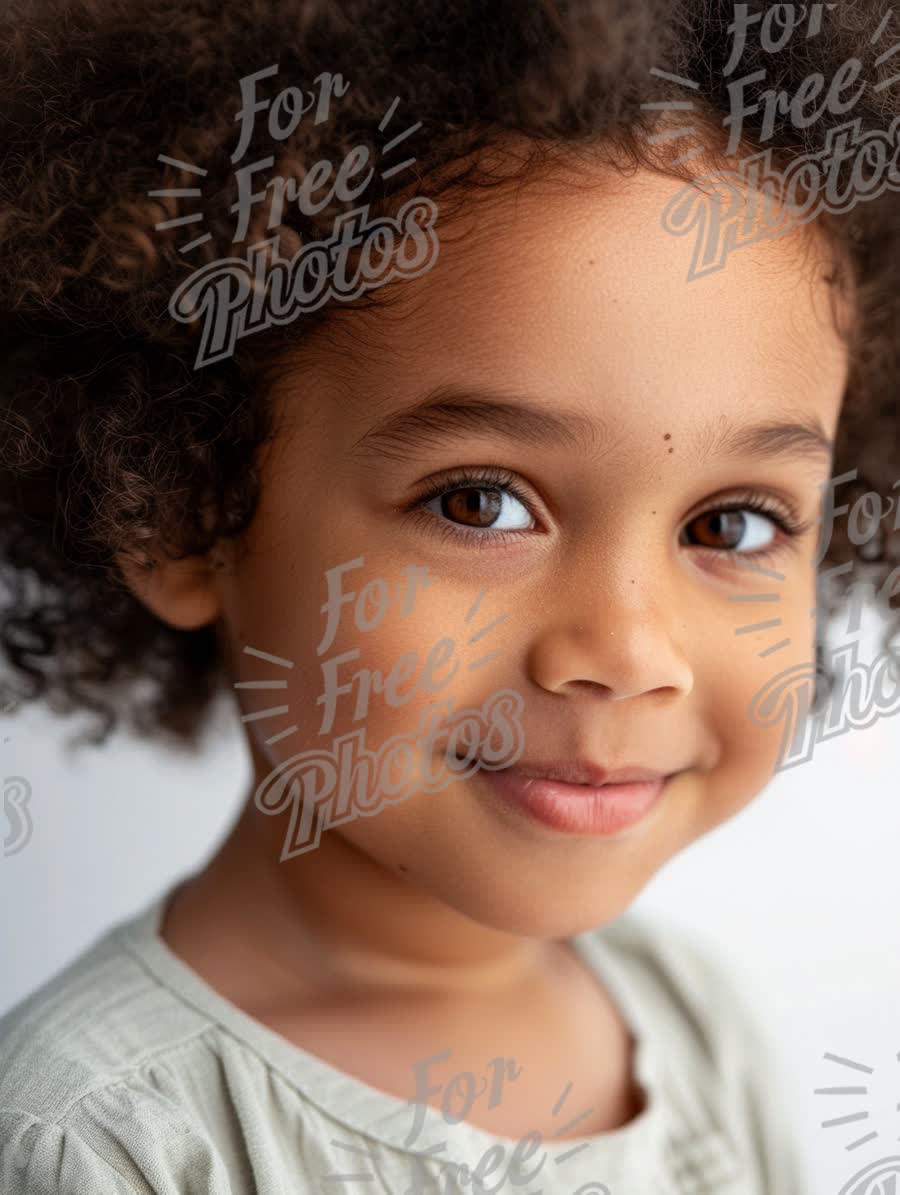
{"x": 111, "y": 441}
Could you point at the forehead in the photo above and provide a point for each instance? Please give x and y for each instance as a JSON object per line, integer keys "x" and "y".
{"x": 572, "y": 288}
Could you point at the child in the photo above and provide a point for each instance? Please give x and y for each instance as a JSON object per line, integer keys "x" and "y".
{"x": 471, "y": 540}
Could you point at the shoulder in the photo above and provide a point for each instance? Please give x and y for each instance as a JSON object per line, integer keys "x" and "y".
{"x": 701, "y": 1021}
{"x": 681, "y": 981}
{"x": 82, "y": 1090}
{"x": 91, "y": 1025}
{"x": 38, "y": 1157}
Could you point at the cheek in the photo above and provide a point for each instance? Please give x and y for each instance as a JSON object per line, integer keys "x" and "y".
{"x": 763, "y": 697}
{"x": 375, "y": 644}
{"x": 387, "y": 679}
{"x": 322, "y": 668}
{"x": 365, "y": 671}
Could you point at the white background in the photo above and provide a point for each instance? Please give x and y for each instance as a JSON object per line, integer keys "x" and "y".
{"x": 798, "y": 896}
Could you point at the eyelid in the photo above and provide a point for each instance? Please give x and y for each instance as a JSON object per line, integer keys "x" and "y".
{"x": 783, "y": 509}
{"x": 484, "y": 476}
{"x": 778, "y": 507}
{"x": 785, "y": 518}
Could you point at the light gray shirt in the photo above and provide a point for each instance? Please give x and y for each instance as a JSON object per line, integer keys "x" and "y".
{"x": 127, "y": 1073}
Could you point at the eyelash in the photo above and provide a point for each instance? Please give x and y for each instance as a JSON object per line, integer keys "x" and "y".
{"x": 489, "y": 477}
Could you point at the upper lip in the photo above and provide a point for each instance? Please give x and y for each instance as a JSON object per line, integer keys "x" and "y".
{"x": 581, "y": 772}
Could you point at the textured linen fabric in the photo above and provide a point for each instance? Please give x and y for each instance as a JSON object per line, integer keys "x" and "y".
{"x": 126, "y": 1072}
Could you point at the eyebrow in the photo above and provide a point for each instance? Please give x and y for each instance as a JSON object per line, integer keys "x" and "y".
{"x": 448, "y": 413}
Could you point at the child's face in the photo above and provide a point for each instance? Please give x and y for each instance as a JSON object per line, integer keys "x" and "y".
{"x": 620, "y": 637}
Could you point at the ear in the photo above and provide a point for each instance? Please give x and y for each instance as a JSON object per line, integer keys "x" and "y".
{"x": 182, "y": 593}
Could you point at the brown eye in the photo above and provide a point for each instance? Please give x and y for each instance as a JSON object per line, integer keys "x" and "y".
{"x": 482, "y": 507}
{"x": 726, "y": 529}
{"x": 476, "y": 508}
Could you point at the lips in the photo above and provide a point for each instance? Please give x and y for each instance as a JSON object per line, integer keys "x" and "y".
{"x": 578, "y": 772}
{"x": 573, "y": 796}
{"x": 569, "y": 771}
{"x": 582, "y": 809}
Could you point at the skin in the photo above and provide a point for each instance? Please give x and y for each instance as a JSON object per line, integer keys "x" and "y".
{"x": 443, "y": 920}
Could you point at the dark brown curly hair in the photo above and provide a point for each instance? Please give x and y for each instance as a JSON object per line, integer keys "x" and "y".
{"x": 111, "y": 440}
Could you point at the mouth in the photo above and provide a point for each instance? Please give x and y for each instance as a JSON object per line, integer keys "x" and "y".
{"x": 577, "y": 797}
{"x": 585, "y": 774}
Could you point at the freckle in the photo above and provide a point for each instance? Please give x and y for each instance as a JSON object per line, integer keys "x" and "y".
{"x": 671, "y": 450}
{"x": 590, "y": 261}
{"x": 667, "y": 436}
{"x": 653, "y": 512}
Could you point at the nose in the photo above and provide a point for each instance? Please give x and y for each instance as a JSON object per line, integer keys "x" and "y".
{"x": 622, "y": 650}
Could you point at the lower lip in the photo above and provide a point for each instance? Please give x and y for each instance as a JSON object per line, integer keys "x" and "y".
{"x": 577, "y": 808}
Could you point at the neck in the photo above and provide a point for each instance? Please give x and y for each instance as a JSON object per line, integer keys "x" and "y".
{"x": 336, "y": 914}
